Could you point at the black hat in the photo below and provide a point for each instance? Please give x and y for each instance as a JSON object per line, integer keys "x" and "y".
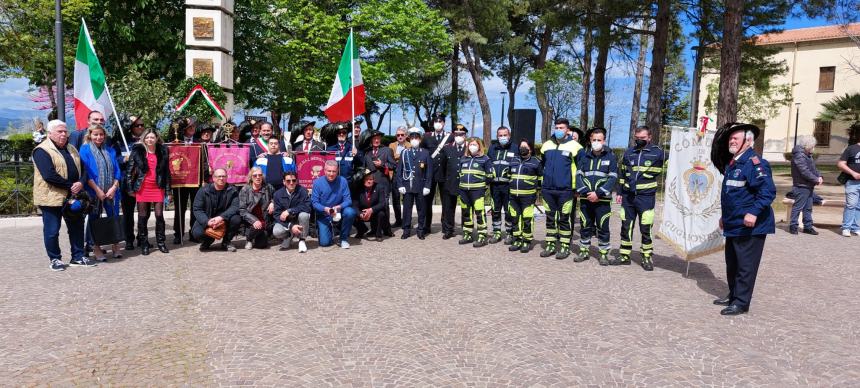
{"x": 438, "y": 117}
{"x": 461, "y": 128}
{"x": 329, "y": 132}
{"x": 579, "y": 132}
{"x": 298, "y": 129}
{"x": 366, "y": 172}
{"x": 182, "y": 123}
{"x": 720, "y": 155}
{"x": 207, "y": 128}
{"x": 365, "y": 137}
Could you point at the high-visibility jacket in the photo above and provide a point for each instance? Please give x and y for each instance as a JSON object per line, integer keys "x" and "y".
{"x": 597, "y": 173}
{"x": 640, "y": 169}
{"x": 559, "y": 164}
{"x": 475, "y": 172}
{"x": 525, "y": 176}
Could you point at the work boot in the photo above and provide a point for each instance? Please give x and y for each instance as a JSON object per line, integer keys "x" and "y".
{"x": 603, "y": 259}
{"x": 509, "y": 239}
{"x": 620, "y": 259}
{"x": 515, "y": 246}
{"x": 481, "y": 242}
{"x": 549, "y": 250}
{"x": 467, "y": 239}
{"x": 563, "y": 252}
{"x": 582, "y": 256}
{"x": 646, "y": 263}
{"x": 497, "y": 236}
{"x": 525, "y": 246}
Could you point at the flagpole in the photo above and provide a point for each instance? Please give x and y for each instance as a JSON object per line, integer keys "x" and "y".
{"x": 352, "y": 84}
{"x": 107, "y": 90}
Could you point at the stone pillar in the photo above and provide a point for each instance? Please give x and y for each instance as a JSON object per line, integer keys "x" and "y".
{"x": 209, "y": 43}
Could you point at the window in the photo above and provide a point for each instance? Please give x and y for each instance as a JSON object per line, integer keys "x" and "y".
{"x": 826, "y": 77}
{"x": 822, "y": 133}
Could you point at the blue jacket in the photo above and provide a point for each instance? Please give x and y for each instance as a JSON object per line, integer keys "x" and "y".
{"x": 747, "y": 188}
{"x": 343, "y": 158}
{"x": 330, "y": 194}
{"x": 414, "y": 170}
{"x": 525, "y": 176}
{"x": 475, "y": 172}
{"x": 91, "y": 171}
{"x": 501, "y": 155}
{"x": 639, "y": 170}
{"x": 297, "y": 202}
{"x": 597, "y": 173}
{"x": 559, "y": 164}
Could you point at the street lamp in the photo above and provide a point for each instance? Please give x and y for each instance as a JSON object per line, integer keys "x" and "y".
{"x": 796, "y": 122}
{"x": 58, "y": 52}
{"x": 503, "y": 108}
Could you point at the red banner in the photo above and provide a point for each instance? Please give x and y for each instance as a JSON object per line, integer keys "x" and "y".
{"x": 309, "y": 166}
{"x": 233, "y": 158}
{"x": 184, "y": 165}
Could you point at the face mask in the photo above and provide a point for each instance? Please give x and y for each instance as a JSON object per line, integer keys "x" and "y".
{"x": 459, "y": 139}
{"x": 438, "y": 126}
{"x": 596, "y": 145}
{"x": 559, "y": 134}
{"x": 524, "y": 151}
{"x": 504, "y": 140}
{"x": 473, "y": 149}
{"x": 640, "y": 143}
{"x": 415, "y": 143}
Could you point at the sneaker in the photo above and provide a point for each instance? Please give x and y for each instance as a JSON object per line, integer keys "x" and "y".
{"x": 204, "y": 246}
{"x": 82, "y": 262}
{"x": 249, "y": 245}
{"x": 344, "y": 244}
{"x": 811, "y": 231}
{"x": 792, "y": 230}
{"x": 856, "y": 232}
{"x": 228, "y": 247}
{"x": 302, "y": 246}
{"x": 101, "y": 259}
{"x": 57, "y": 265}
{"x": 846, "y": 233}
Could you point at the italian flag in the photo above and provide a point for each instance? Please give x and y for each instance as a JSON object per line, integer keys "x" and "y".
{"x": 90, "y": 87}
{"x": 347, "y": 94}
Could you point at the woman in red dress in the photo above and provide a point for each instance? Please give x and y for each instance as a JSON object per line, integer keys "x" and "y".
{"x": 149, "y": 182}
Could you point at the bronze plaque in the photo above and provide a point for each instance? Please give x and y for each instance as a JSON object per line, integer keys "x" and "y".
{"x": 203, "y": 66}
{"x": 204, "y": 28}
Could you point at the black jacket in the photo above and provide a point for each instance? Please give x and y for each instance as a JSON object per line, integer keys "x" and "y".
{"x": 378, "y": 200}
{"x": 138, "y": 167}
{"x": 207, "y": 205}
{"x": 384, "y": 155}
{"x": 297, "y": 202}
{"x": 803, "y": 170}
{"x": 451, "y": 167}
{"x": 430, "y": 143}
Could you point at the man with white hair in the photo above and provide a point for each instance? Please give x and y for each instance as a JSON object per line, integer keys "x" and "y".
{"x": 804, "y": 178}
{"x": 56, "y": 179}
{"x": 332, "y": 203}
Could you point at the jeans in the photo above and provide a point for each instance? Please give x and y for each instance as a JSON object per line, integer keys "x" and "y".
{"x": 51, "y": 216}
{"x": 802, "y": 204}
{"x": 324, "y": 226}
{"x": 851, "y": 215}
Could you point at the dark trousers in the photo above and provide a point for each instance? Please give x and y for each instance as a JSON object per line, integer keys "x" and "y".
{"x": 52, "y": 216}
{"x": 182, "y": 199}
{"x": 259, "y": 237}
{"x": 522, "y": 210}
{"x": 198, "y": 231}
{"x": 633, "y": 206}
{"x": 501, "y": 195}
{"x": 385, "y": 215}
{"x": 559, "y": 205}
{"x": 472, "y": 212}
{"x": 420, "y": 204}
{"x": 127, "y": 202}
{"x": 376, "y": 220}
{"x": 743, "y": 256}
{"x": 802, "y": 204}
{"x": 428, "y": 206}
{"x": 395, "y": 203}
{"x": 595, "y": 218}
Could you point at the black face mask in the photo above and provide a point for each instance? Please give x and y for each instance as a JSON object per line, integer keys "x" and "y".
{"x": 640, "y": 143}
{"x": 524, "y": 152}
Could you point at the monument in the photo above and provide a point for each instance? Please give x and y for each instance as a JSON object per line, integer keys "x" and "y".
{"x": 209, "y": 43}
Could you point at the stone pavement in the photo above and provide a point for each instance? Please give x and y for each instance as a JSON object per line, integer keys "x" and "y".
{"x": 426, "y": 313}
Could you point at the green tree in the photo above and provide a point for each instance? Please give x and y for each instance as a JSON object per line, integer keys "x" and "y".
{"x": 563, "y": 82}
{"x": 844, "y": 108}
{"x": 147, "y": 98}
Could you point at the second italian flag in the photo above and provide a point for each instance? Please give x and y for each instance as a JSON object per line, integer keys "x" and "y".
{"x": 347, "y": 94}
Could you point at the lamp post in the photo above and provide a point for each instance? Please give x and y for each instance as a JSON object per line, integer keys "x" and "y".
{"x": 796, "y": 122}
{"x": 503, "y": 108}
{"x": 58, "y": 52}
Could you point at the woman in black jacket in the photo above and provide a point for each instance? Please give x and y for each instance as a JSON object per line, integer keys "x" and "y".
{"x": 149, "y": 182}
{"x": 370, "y": 201}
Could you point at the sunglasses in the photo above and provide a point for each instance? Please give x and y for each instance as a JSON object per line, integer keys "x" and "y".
{"x": 256, "y": 175}
{"x": 220, "y": 176}
{"x": 400, "y": 135}
{"x": 289, "y": 180}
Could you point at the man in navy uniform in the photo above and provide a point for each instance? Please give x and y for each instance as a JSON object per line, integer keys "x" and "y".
{"x": 747, "y": 217}
{"x": 433, "y": 143}
{"x": 501, "y": 154}
{"x": 413, "y": 178}
{"x": 640, "y": 167}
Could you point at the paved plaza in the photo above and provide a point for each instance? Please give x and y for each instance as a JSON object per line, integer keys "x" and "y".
{"x": 426, "y": 313}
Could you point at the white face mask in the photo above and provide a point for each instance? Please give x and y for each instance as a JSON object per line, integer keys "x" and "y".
{"x": 438, "y": 126}
{"x": 459, "y": 139}
{"x": 596, "y": 145}
{"x": 473, "y": 149}
{"x": 415, "y": 143}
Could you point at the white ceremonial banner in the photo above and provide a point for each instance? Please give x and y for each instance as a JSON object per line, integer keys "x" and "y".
{"x": 691, "y": 201}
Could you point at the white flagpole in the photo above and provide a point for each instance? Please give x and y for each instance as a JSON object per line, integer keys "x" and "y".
{"x": 352, "y": 84}
{"x": 110, "y": 99}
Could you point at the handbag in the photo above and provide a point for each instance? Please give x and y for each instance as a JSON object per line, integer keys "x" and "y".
{"x": 216, "y": 233}
{"x": 843, "y": 178}
{"x": 107, "y": 230}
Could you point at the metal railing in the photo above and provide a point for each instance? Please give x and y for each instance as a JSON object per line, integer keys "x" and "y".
{"x": 16, "y": 189}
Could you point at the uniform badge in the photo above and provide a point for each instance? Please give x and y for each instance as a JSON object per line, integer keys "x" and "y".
{"x": 647, "y": 163}
{"x": 737, "y": 173}
{"x": 422, "y": 165}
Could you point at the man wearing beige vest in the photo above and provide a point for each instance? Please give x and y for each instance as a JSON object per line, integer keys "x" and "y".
{"x": 56, "y": 174}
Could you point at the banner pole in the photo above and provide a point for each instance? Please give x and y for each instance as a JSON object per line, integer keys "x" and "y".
{"x": 107, "y": 90}
{"x": 352, "y": 84}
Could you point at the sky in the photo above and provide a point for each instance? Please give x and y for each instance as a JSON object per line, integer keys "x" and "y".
{"x": 14, "y": 101}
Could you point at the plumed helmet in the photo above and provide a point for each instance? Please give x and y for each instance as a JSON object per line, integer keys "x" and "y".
{"x": 720, "y": 155}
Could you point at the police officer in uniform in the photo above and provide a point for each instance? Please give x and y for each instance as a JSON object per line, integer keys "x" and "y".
{"x": 640, "y": 167}
{"x": 595, "y": 180}
{"x": 433, "y": 142}
{"x": 413, "y": 178}
{"x": 501, "y": 153}
{"x": 450, "y": 189}
{"x": 747, "y": 217}
{"x": 559, "y": 166}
